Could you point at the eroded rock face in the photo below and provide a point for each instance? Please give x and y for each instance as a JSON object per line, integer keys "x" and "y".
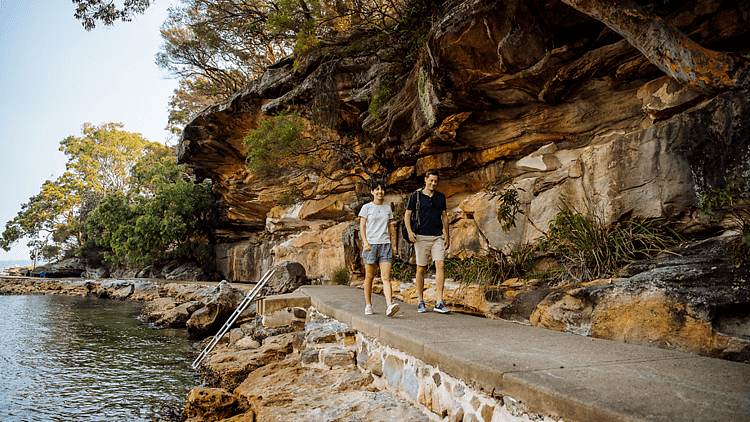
{"x": 535, "y": 90}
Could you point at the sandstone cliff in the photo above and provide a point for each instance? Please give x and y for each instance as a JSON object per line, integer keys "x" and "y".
{"x": 533, "y": 89}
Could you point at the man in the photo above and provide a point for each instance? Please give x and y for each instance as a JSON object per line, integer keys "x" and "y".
{"x": 432, "y": 236}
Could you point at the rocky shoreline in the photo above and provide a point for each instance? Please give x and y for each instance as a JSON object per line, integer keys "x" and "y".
{"x": 266, "y": 369}
{"x": 287, "y": 361}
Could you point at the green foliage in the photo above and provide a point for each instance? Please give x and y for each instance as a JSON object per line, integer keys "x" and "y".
{"x": 402, "y": 271}
{"x": 46, "y": 218}
{"x": 166, "y": 227}
{"x": 510, "y": 206}
{"x": 275, "y": 144}
{"x": 386, "y": 90}
{"x": 584, "y": 248}
{"x": 122, "y": 197}
{"x": 341, "y": 276}
{"x": 89, "y": 12}
{"x": 103, "y": 157}
{"x": 290, "y": 197}
{"x": 490, "y": 267}
{"x": 588, "y": 249}
{"x": 729, "y": 200}
{"x": 108, "y": 227}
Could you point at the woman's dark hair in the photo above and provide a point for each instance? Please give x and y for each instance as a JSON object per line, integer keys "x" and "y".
{"x": 374, "y": 183}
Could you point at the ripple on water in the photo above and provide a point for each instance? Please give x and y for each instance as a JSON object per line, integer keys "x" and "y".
{"x": 88, "y": 359}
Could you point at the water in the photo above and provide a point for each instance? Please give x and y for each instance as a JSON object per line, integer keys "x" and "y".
{"x": 66, "y": 358}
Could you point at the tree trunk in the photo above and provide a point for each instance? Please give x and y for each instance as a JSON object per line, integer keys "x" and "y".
{"x": 668, "y": 48}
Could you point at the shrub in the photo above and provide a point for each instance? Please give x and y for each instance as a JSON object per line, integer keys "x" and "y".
{"x": 729, "y": 200}
{"x": 277, "y": 141}
{"x": 341, "y": 276}
{"x": 588, "y": 249}
{"x": 402, "y": 271}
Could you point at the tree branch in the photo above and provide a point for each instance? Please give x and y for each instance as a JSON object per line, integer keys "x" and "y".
{"x": 668, "y": 48}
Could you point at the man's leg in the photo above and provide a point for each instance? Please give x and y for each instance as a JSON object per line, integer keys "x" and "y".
{"x": 420, "y": 282}
{"x": 439, "y": 279}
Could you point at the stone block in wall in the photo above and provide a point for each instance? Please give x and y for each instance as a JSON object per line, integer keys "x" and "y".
{"x": 393, "y": 370}
{"x": 284, "y": 317}
{"x": 410, "y": 384}
{"x": 296, "y": 300}
{"x": 334, "y": 357}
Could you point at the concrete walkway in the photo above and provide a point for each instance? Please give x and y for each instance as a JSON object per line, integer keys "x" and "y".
{"x": 571, "y": 377}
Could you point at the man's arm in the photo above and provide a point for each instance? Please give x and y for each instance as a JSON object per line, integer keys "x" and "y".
{"x": 407, "y": 223}
{"x": 446, "y": 229}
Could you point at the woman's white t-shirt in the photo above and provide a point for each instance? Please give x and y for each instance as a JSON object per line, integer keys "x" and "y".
{"x": 376, "y": 226}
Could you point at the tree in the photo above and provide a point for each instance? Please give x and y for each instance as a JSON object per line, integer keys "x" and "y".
{"x": 49, "y": 219}
{"x": 103, "y": 161}
{"x": 144, "y": 231}
{"x": 104, "y": 155}
{"x": 215, "y": 47}
{"x": 286, "y": 143}
{"x": 668, "y": 48}
{"x": 105, "y": 11}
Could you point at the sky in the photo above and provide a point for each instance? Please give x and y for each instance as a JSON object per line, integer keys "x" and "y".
{"x": 55, "y": 76}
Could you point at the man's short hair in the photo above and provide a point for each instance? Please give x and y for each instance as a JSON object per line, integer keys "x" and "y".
{"x": 432, "y": 172}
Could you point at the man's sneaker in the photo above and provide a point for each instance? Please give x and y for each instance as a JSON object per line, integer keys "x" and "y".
{"x": 368, "y": 310}
{"x": 392, "y": 309}
{"x": 440, "y": 307}
{"x": 421, "y": 308}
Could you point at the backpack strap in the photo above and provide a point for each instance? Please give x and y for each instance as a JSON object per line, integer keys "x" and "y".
{"x": 419, "y": 222}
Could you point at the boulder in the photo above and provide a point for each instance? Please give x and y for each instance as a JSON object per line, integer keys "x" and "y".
{"x": 143, "y": 290}
{"x": 178, "y": 316}
{"x": 209, "y": 404}
{"x": 228, "y": 368}
{"x": 72, "y": 267}
{"x": 260, "y": 332}
{"x": 112, "y": 288}
{"x": 155, "y": 310}
{"x": 220, "y": 305}
{"x": 186, "y": 271}
{"x": 75, "y": 287}
{"x": 288, "y": 276}
{"x": 693, "y": 298}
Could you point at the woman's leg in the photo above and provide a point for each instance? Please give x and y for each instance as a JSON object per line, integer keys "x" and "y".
{"x": 385, "y": 275}
{"x": 369, "y": 275}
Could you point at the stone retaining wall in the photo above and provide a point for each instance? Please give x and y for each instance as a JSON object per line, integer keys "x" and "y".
{"x": 448, "y": 398}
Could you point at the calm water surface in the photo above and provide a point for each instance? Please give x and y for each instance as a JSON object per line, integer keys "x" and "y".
{"x": 65, "y": 358}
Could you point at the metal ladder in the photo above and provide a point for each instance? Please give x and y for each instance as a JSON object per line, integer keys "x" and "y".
{"x": 240, "y": 309}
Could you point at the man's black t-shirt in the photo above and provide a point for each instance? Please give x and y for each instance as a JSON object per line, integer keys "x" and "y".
{"x": 430, "y": 212}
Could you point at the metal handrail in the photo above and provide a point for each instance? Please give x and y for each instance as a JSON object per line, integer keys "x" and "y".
{"x": 237, "y": 312}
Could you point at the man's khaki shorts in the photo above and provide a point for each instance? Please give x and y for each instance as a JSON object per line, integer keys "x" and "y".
{"x": 429, "y": 245}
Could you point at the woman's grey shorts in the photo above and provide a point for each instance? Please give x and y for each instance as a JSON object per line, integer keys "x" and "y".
{"x": 382, "y": 252}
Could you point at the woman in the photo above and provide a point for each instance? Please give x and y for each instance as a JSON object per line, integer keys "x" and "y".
{"x": 378, "y": 234}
